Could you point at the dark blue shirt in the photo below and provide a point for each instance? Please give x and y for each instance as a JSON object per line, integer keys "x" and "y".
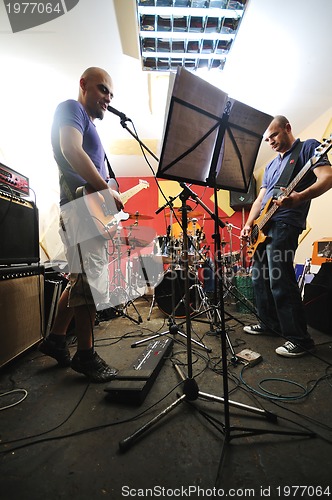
{"x": 295, "y": 216}
{"x": 72, "y": 113}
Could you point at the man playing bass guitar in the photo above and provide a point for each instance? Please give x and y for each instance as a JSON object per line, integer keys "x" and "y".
{"x": 278, "y": 299}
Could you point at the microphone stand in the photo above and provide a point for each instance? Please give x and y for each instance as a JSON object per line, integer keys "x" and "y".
{"x": 169, "y": 203}
{"x": 123, "y": 121}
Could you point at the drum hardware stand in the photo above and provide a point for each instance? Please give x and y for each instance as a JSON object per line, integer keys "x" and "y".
{"x": 118, "y": 275}
{"x": 221, "y": 265}
{"x": 152, "y": 305}
{"x": 239, "y": 296}
{"x": 173, "y": 328}
{"x": 205, "y": 308}
{"x": 172, "y": 257}
{"x": 301, "y": 278}
{"x": 208, "y": 307}
{"x": 228, "y": 285}
{"x": 169, "y": 203}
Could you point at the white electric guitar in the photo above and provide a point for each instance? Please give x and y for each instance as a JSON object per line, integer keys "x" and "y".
{"x": 106, "y": 221}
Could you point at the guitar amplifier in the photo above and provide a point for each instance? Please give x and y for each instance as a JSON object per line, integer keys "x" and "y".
{"x": 21, "y": 310}
{"x": 322, "y": 251}
{"x": 19, "y": 242}
{"x": 317, "y": 300}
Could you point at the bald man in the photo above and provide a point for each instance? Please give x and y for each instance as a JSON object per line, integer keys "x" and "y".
{"x": 80, "y": 157}
{"x": 278, "y": 299}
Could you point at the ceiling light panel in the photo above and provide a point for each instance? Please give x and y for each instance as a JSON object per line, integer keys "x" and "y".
{"x": 195, "y": 34}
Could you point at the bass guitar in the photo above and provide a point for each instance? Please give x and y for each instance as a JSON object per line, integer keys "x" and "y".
{"x": 257, "y": 236}
{"x": 105, "y": 220}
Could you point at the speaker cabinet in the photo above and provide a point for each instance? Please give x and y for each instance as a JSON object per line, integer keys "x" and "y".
{"x": 19, "y": 242}
{"x": 21, "y": 310}
{"x": 318, "y": 298}
{"x": 238, "y": 201}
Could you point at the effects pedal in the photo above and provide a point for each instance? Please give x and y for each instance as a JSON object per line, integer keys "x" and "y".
{"x": 247, "y": 356}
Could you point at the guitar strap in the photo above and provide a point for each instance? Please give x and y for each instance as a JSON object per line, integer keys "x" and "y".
{"x": 65, "y": 186}
{"x": 287, "y": 172}
{"x": 70, "y": 197}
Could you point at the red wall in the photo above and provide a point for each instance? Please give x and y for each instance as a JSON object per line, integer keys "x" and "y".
{"x": 146, "y": 203}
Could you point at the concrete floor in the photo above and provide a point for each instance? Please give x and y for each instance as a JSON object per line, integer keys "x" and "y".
{"x": 64, "y": 439}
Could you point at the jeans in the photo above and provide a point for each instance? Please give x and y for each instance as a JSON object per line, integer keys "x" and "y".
{"x": 278, "y": 298}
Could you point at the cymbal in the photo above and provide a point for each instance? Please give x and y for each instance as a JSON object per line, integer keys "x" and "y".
{"x": 137, "y": 215}
{"x": 190, "y": 213}
{"x": 194, "y": 215}
{"x": 135, "y": 236}
{"x": 133, "y": 242}
{"x": 211, "y": 218}
{"x": 178, "y": 209}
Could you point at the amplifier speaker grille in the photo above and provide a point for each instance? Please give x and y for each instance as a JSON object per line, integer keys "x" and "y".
{"x": 19, "y": 243}
{"x": 21, "y": 310}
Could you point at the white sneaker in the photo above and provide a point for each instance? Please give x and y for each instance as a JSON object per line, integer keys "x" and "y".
{"x": 290, "y": 350}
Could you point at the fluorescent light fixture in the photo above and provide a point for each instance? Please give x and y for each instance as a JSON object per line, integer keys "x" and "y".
{"x": 191, "y": 33}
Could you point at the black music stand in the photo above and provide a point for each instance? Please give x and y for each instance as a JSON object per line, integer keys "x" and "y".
{"x": 213, "y": 141}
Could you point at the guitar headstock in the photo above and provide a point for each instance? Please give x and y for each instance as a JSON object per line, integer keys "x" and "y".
{"x": 324, "y": 147}
{"x": 144, "y": 183}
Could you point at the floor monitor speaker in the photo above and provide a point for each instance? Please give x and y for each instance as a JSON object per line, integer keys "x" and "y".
{"x": 21, "y": 310}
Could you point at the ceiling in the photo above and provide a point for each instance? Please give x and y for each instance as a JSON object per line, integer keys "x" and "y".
{"x": 280, "y": 63}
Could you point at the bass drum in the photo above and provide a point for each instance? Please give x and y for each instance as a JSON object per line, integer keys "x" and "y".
{"x": 163, "y": 293}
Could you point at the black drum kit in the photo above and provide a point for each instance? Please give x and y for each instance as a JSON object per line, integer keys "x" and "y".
{"x": 143, "y": 261}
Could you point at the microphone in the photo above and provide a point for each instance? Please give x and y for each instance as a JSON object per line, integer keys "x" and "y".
{"x": 122, "y": 116}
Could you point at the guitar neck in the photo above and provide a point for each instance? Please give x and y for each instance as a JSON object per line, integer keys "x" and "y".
{"x": 320, "y": 151}
{"x": 132, "y": 191}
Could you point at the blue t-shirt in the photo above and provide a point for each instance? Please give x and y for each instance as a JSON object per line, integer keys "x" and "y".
{"x": 295, "y": 216}
{"x": 72, "y": 113}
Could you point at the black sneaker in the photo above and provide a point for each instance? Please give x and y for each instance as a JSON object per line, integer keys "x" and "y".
{"x": 51, "y": 348}
{"x": 290, "y": 350}
{"x": 95, "y": 369}
{"x": 256, "y": 330}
